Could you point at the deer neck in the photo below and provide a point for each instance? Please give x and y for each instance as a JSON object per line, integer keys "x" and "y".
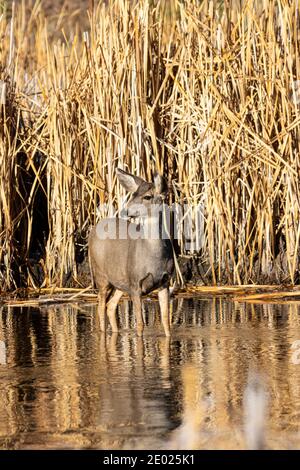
{"x": 154, "y": 228}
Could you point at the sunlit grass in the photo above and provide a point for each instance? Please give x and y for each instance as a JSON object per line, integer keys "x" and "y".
{"x": 205, "y": 93}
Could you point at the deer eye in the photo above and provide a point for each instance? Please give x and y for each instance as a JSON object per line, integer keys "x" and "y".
{"x": 147, "y": 197}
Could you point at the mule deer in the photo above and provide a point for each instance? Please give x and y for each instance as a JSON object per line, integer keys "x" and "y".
{"x": 133, "y": 257}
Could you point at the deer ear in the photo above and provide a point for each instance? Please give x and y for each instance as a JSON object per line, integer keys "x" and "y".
{"x": 128, "y": 181}
{"x": 160, "y": 184}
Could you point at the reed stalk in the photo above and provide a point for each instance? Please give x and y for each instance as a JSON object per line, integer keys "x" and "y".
{"x": 208, "y": 93}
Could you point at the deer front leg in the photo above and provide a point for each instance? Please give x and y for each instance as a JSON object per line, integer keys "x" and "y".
{"x": 112, "y": 308}
{"x": 137, "y": 309}
{"x": 164, "y": 301}
{"x": 101, "y": 309}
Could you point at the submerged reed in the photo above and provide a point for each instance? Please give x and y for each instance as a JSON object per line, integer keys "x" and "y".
{"x": 206, "y": 92}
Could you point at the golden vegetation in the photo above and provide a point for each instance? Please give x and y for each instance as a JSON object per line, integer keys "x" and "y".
{"x": 206, "y": 92}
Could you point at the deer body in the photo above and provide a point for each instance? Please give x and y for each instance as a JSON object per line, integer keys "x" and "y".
{"x": 135, "y": 258}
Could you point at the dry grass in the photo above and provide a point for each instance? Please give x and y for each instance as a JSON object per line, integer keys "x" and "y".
{"x": 203, "y": 91}
{"x": 257, "y": 294}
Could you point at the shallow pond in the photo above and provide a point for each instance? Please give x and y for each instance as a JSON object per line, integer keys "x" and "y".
{"x": 63, "y": 385}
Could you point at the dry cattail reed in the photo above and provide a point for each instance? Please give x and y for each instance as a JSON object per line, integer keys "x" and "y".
{"x": 206, "y": 92}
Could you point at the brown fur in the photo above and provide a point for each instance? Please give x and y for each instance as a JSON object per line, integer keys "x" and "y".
{"x": 136, "y": 266}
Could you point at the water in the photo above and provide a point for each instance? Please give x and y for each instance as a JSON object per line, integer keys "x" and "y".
{"x": 62, "y": 385}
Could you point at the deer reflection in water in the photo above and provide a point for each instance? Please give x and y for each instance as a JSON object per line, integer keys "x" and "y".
{"x": 63, "y": 377}
{"x": 63, "y": 384}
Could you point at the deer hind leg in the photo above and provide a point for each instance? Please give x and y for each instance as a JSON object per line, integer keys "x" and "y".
{"x": 112, "y": 309}
{"x": 164, "y": 300}
{"x": 137, "y": 309}
{"x": 101, "y": 313}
